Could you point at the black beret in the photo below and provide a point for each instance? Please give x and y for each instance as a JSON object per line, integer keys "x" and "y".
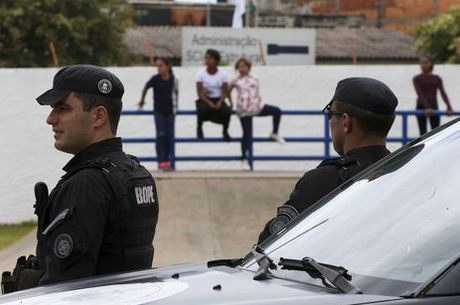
{"x": 82, "y": 79}
{"x": 367, "y": 94}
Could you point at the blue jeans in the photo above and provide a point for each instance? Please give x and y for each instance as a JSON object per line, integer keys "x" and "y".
{"x": 164, "y": 124}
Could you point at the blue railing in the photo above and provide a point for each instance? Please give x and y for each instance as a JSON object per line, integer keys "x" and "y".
{"x": 325, "y": 139}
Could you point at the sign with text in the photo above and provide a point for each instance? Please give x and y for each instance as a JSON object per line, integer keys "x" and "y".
{"x": 271, "y": 46}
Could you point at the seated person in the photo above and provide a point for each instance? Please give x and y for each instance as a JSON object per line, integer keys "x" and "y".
{"x": 212, "y": 88}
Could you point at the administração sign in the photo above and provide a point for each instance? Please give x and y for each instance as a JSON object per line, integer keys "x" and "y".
{"x": 271, "y": 46}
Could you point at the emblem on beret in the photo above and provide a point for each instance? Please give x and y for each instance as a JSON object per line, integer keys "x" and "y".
{"x": 105, "y": 86}
{"x": 63, "y": 245}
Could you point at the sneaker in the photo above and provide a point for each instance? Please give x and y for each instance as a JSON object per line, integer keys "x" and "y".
{"x": 245, "y": 165}
{"x": 227, "y": 137}
{"x": 164, "y": 165}
{"x": 277, "y": 138}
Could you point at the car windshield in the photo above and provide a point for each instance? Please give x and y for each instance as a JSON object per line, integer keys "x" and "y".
{"x": 394, "y": 227}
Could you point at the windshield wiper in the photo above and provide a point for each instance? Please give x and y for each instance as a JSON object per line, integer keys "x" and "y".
{"x": 336, "y": 275}
{"x": 264, "y": 261}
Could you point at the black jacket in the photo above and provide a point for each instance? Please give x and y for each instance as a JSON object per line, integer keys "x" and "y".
{"x": 320, "y": 181}
{"x": 100, "y": 218}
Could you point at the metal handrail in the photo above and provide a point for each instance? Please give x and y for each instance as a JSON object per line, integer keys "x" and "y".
{"x": 326, "y": 139}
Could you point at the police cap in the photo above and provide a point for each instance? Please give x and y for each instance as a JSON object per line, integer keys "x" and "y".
{"x": 367, "y": 94}
{"x": 83, "y": 79}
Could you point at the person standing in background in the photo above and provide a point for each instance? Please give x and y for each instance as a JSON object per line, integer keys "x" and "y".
{"x": 165, "y": 103}
{"x": 249, "y": 104}
{"x": 426, "y": 85}
{"x": 212, "y": 89}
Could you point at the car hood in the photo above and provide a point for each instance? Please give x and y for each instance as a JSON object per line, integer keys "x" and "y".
{"x": 181, "y": 284}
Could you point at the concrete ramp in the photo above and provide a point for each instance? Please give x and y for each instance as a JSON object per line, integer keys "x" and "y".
{"x": 203, "y": 215}
{"x": 206, "y": 215}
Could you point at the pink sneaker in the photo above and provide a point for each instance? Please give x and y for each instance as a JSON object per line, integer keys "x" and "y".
{"x": 165, "y": 166}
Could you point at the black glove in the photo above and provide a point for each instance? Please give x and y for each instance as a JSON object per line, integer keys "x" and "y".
{"x": 7, "y": 283}
{"x": 26, "y": 274}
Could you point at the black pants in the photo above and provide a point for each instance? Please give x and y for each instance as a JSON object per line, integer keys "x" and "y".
{"x": 435, "y": 121}
{"x": 218, "y": 116}
{"x": 246, "y": 125}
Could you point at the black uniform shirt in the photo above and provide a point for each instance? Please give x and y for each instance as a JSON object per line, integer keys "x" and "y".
{"x": 77, "y": 214}
{"x": 320, "y": 181}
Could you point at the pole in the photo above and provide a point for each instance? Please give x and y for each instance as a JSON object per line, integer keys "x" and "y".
{"x": 261, "y": 52}
{"x": 256, "y": 22}
{"x": 208, "y": 13}
{"x": 149, "y": 45}
{"x": 352, "y": 45}
{"x": 381, "y": 6}
{"x": 247, "y": 13}
{"x": 54, "y": 54}
{"x": 404, "y": 129}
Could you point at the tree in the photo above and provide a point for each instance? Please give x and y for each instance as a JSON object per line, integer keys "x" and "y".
{"x": 440, "y": 37}
{"x": 83, "y": 31}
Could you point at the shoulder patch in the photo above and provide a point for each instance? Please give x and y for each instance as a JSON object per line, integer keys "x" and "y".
{"x": 145, "y": 194}
{"x": 286, "y": 213}
{"x": 63, "y": 246}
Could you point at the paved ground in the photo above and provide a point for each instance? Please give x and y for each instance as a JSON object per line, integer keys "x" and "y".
{"x": 203, "y": 215}
{"x": 9, "y": 255}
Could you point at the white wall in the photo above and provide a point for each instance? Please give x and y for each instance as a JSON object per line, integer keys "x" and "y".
{"x": 27, "y": 153}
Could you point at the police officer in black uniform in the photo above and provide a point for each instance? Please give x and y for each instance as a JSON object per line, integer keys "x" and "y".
{"x": 101, "y": 216}
{"x": 361, "y": 114}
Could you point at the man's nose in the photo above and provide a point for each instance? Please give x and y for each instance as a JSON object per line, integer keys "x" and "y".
{"x": 52, "y": 119}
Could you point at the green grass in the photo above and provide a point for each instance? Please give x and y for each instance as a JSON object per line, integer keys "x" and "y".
{"x": 10, "y": 233}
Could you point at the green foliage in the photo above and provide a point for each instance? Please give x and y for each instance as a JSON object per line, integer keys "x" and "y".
{"x": 440, "y": 37}
{"x": 83, "y": 31}
{"x": 9, "y": 234}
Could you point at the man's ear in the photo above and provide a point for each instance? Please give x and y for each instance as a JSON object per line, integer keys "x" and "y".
{"x": 100, "y": 116}
{"x": 347, "y": 123}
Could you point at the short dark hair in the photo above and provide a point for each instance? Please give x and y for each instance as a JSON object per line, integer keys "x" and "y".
{"x": 214, "y": 54}
{"x": 369, "y": 122}
{"x": 113, "y": 106}
{"x": 245, "y": 61}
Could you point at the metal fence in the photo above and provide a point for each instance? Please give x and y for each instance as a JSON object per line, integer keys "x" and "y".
{"x": 325, "y": 139}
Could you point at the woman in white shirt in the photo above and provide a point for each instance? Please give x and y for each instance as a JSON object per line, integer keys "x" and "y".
{"x": 212, "y": 88}
{"x": 249, "y": 104}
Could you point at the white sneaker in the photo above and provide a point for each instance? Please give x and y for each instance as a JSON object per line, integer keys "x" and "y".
{"x": 245, "y": 165}
{"x": 277, "y": 138}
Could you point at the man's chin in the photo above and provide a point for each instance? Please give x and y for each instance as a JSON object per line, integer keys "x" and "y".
{"x": 63, "y": 148}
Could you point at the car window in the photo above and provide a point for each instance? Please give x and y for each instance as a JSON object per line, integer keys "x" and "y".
{"x": 400, "y": 222}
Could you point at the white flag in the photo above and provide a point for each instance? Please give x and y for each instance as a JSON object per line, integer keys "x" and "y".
{"x": 240, "y": 9}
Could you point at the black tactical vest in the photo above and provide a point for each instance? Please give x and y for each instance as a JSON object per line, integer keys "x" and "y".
{"x": 348, "y": 167}
{"x": 127, "y": 243}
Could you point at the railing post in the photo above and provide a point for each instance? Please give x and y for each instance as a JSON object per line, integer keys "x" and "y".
{"x": 173, "y": 148}
{"x": 404, "y": 128}
{"x": 327, "y": 138}
{"x": 250, "y": 150}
